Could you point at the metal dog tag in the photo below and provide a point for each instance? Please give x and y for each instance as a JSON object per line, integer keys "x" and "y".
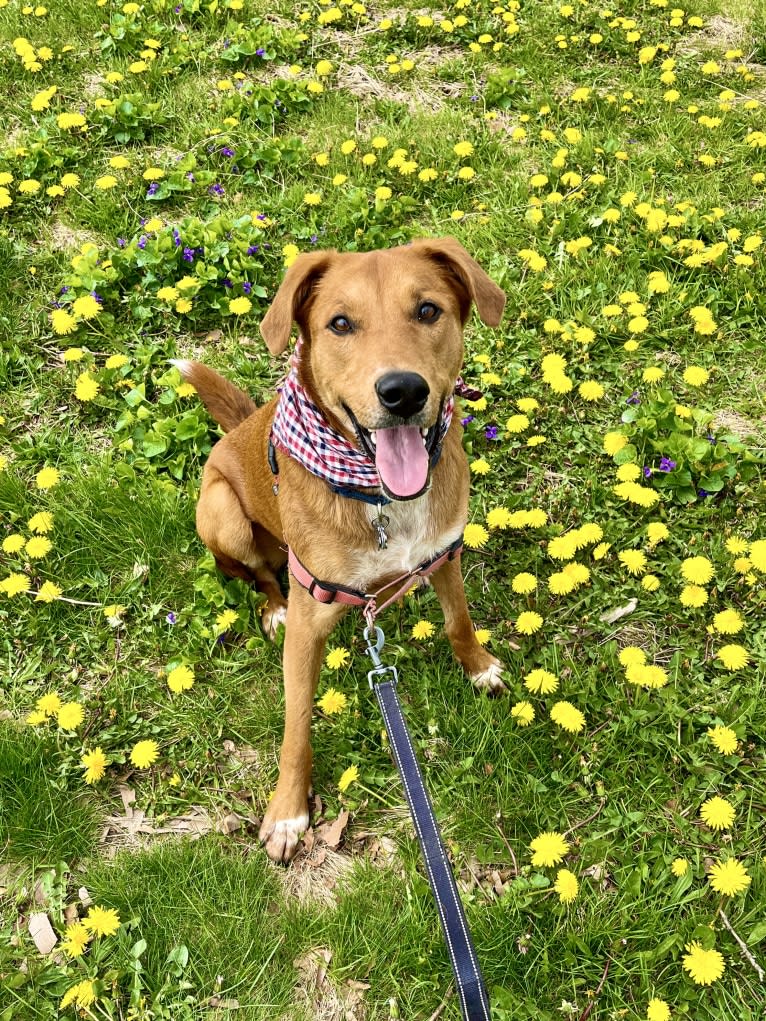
{"x": 380, "y": 523}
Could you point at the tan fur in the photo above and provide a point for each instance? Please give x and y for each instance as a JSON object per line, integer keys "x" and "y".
{"x": 247, "y": 526}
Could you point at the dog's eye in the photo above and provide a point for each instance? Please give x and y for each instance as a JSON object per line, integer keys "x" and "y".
{"x": 428, "y": 312}
{"x": 340, "y": 325}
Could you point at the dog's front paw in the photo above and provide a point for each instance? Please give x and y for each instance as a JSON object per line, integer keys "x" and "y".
{"x": 274, "y": 614}
{"x": 281, "y": 837}
{"x": 490, "y": 679}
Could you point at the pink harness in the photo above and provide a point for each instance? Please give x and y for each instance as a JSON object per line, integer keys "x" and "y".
{"x": 326, "y": 592}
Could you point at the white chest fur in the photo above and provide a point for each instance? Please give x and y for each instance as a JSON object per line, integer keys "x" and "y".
{"x": 412, "y": 539}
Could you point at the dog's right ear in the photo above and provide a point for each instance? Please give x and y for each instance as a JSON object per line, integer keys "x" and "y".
{"x": 294, "y": 292}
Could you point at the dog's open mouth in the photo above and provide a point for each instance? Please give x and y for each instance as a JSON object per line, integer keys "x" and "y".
{"x": 402, "y": 455}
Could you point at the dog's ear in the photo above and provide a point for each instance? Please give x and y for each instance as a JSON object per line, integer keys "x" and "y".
{"x": 292, "y": 295}
{"x": 473, "y": 282}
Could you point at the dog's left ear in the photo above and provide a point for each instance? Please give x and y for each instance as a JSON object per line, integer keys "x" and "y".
{"x": 291, "y": 298}
{"x": 476, "y": 285}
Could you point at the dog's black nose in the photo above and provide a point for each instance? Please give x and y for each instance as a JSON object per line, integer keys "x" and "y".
{"x": 402, "y": 393}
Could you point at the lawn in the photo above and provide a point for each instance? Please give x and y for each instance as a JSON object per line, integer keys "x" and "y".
{"x": 161, "y": 165}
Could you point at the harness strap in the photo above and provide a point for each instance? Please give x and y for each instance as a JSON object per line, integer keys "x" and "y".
{"x": 328, "y": 592}
{"x": 472, "y": 992}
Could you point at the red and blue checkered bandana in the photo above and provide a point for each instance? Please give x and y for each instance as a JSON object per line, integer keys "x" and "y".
{"x": 301, "y": 431}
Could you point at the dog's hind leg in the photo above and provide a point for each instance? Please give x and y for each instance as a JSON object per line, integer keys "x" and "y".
{"x": 241, "y": 549}
{"x": 481, "y": 666}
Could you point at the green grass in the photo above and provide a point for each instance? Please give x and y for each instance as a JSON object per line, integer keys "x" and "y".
{"x": 626, "y": 790}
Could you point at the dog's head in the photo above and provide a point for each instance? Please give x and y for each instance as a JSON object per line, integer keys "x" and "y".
{"x": 383, "y": 344}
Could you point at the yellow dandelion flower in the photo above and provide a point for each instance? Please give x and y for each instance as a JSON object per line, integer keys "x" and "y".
{"x": 541, "y": 682}
{"x": 728, "y": 622}
{"x": 332, "y": 702}
{"x": 70, "y": 715}
{"x": 733, "y": 657}
{"x": 704, "y": 966}
{"x": 524, "y": 583}
{"x": 697, "y": 570}
{"x": 724, "y": 739}
{"x": 102, "y": 921}
{"x": 523, "y": 713}
{"x": 693, "y": 596}
{"x": 180, "y": 678}
{"x": 729, "y": 877}
{"x": 475, "y": 536}
{"x": 633, "y": 560}
{"x": 568, "y": 717}
{"x": 548, "y": 849}
{"x": 94, "y": 763}
{"x": 144, "y": 753}
{"x": 529, "y": 622}
{"x": 717, "y": 813}
{"x": 37, "y": 547}
{"x": 81, "y": 995}
{"x": 566, "y": 886}
{"x": 423, "y": 629}
{"x": 48, "y": 592}
{"x": 336, "y": 658}
{"x": 348, "y": 777}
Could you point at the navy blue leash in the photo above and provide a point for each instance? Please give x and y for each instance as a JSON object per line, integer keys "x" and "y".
{"x": 472, "y": 992}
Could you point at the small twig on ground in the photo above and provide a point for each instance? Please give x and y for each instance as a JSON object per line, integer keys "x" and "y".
{"x": 65, "y": 599}
{"x": 742, "y": 946}
{"x": 441, "y": 1006}
{"x": 599, "y": 987}
{"x": 510, "y": 849}
{"x": 585, "y": 822}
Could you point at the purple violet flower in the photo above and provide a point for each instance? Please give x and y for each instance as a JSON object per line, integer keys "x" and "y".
{"x": 634, "y": 398}
{"x": 171, "y": 618}
{"x": 666, "y": 465}
{"x": 647, "y": 472}
{"x": 491, "y": 432}
{"x": 188, "y": 255}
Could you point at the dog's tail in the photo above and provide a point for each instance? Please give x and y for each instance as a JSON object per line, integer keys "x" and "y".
{"x": 226, "y": 403}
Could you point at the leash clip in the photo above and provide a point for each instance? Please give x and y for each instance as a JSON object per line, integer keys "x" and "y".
{"x": 375, "y": 639}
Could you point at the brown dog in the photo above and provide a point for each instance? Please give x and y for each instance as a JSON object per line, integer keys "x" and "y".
{"x": 381, "y": 349}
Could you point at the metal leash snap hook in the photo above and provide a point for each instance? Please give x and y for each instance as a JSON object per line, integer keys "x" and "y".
{"x": 375, "y": 639}
{"x": 374, "y": 647}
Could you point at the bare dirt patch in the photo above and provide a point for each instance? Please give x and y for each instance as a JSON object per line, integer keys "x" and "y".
{"x": 320, "y": 997}
{"x": 361, "y": 83}
{"x": 63, "y": 237}
{"x": 743, "y": 428}
{"x": 719, "y": 33}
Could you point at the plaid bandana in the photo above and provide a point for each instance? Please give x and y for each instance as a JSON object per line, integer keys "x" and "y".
{"x": 300, "y": 430}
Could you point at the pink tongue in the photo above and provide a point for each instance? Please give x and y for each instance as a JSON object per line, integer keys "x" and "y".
{"x": 401, "y": 459}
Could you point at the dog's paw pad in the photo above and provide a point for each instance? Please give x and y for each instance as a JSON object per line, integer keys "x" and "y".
{"x": 489, "y": 680}
{"x": 281, "y": 838}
